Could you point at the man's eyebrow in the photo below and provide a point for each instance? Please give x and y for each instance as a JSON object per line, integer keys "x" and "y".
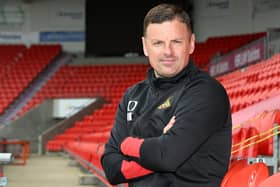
{"x": 156, "y": 40}
{"x": 178, "y": 38}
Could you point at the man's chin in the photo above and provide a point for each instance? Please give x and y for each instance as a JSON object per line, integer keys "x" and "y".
{"x": 165, "y": 74}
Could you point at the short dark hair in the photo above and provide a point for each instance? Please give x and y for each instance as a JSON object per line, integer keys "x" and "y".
{"x": 166, "y": 12}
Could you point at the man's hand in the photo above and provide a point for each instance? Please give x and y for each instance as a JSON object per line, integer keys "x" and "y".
{"x": 169, "y": 125}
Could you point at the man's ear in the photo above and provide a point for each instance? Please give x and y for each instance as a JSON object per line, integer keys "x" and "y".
{"x": 144, "y": 46}
{"x": 192, "y": 44}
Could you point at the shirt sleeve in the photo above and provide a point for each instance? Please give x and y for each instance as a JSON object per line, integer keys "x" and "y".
{"x": 200, "y": 112}
{"x": 119, "y": 168}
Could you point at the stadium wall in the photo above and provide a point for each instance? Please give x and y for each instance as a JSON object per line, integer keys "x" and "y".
{"x": 230, "y": 17}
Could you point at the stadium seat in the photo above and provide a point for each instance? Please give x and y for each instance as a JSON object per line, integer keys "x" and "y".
{"x": 264, "y": 125}
{"x": 272, "y": 181}
{"x": 234, "y": 167}
{"x": 251, "y": 146}
{"x": 244, "y": 143}
{"x": 248, "y": 176}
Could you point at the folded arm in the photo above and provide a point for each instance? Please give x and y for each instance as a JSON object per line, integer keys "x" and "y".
{"x": 197, "y": 118}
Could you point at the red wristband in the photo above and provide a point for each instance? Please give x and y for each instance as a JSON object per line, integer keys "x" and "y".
{"x": 131, "y": 169}
{"x": 131, "y": 146}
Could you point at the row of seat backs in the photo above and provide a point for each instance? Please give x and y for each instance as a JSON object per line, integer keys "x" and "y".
{"x": 253, "y": 84}
{"x": 21, "y": 70}
{"x": 255, "y": 136}
{"x": 94, "y": 127}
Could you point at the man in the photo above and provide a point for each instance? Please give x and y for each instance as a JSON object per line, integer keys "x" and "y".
{"x": 174, "y": 128}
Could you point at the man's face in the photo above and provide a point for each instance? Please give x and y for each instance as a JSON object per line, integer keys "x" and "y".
{"x": 168, "y": 46}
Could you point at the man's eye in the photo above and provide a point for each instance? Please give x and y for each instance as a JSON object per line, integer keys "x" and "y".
{"x": 157, "y": 43}
{"x": 177, "y": 41}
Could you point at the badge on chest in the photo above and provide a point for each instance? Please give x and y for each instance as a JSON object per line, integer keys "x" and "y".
{"x": 131, "y": 106}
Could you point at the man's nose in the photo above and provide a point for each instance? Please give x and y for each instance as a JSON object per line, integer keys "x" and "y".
{"x": 168, "y": 49}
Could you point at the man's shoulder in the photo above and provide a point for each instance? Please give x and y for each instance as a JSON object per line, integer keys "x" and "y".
{"x": 204, "y": 81}
{"x": 138, "y": 87}
{"x": 204, "y": 77}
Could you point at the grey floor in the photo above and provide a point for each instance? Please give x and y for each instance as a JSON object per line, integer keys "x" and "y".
{"x": 45, "y": 171}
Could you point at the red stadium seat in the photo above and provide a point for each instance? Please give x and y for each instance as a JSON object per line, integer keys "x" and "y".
{"x": 272, "y": 181}
{"x": 249, "y": 176}
{"x": 244, "y": 143}
{"x": 234, "y": 167}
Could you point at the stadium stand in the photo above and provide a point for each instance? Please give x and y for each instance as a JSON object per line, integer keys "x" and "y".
{"x": 253, "y": 139}
{"x": 33, "y": 59}
{"x": 220, "y": 45}
{"x": 9, "y": 56}
{"x": 261, "y": 80}
{"x": 89, "y": 81}
{"x": 93, "y": 128}
{"x": 22, "y": 66}
{"x": 254, "y": 89}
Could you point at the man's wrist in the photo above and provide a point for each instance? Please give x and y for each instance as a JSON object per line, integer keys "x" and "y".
{"x": 131, "y": 146}
{"x": 131, "y": 169}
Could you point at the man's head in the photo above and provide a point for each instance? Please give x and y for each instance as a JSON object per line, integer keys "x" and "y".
{"x": 168, "y": 40}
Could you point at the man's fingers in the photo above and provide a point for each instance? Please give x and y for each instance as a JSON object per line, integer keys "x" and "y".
{"x": 172, "y": 120}
{"x": 169, "y": 125}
